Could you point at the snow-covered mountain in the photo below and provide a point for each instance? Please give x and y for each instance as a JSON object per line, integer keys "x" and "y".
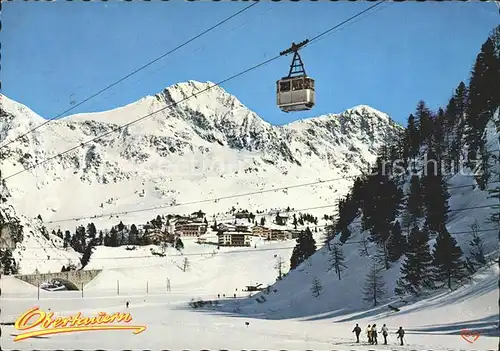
{"x": 205, "y": 147}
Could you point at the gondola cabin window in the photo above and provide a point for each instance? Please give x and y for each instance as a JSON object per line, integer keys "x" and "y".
{"x": 284, "y": 86}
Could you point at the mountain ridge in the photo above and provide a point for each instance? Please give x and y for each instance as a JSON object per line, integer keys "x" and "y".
{"x": 206, "y": 145}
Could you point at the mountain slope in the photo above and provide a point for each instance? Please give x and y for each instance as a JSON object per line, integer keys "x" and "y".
{"x": 206, "y": 147}
{"x": 340, "y": 298}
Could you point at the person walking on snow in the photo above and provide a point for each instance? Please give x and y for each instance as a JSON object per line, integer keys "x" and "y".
{"x": 126, "y": 304}
{"x": 385, "y": 332}
{"x": 401, "y": 333}
{"x": 369, "y": 333}
{"x": 357, "y": 330}
{"x": 374, "y": 334}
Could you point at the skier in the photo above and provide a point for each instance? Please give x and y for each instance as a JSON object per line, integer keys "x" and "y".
{"x": 374, "y": 334}
{"x": 385, "y": 332}
{"x": 369, "y": 333}
{"x": 400, "y": 333}
{"x": 126, "y": 304}
{"x": 357, "y": 330}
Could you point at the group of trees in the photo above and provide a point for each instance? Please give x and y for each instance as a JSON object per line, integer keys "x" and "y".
{"x": 304, "y": 248}
{"x": 7, "y": 262}
{"x": 303, "y": 218}
{"x": 85, "y": 239}
{"x": 401, "y": 224}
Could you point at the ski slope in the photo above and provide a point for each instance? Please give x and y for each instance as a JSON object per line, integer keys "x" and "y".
{"x": 433, "y": 323}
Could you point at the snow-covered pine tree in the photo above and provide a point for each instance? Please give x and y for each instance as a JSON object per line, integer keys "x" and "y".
{"x": 447, "y": 260}
{"x": 374, "y": 288}
{"x": 414, "y": 201}
{"x": 416, "y": 269}
{"x": 316, "y": 287}
{"x": 337, "y": 259}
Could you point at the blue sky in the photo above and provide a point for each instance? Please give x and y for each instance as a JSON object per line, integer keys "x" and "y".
{"x": 54, "y": 53}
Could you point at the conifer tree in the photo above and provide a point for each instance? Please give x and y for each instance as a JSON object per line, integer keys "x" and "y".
{"x": 106, "y": 240}
{"x": 416, "y": 269}
{"x": 87, "y": 253}
{"x": 179, "y": 245}
{"x": 133, "y": 236}
{"x": 363, "y": 247}
{"x": 91, "y": 231}
{"x": 424, "y": 117}
{"x": 8, "y": 263}
{"x": 113, "y": 237}
{"x": 455, "y": 115}
{"x": 316, "y": 287}
{"x": 484, "y": 98}
{"x": 67, "y": 239}
{"x": 495, "y": 215}
{"x": 413, "y": 136}
{"x": 305, "y": 247}
{"x": 79, "y": 242}
{"x": 438, "y": 139}
{"x": 476, "y": 246}
{"x": 186, "y": 264}
{"x": 396, "y": 245}
{"x": 381, "y": 204}
{"x": 447, "y": 263}
{"x": 337, "y": 260}
{"x": 329, "y": 235}
{"x": 414, "y": 202}
{"x": 435, "y": 196}
{"x": 374, "y": 288}
{"x": 279, "y": 267}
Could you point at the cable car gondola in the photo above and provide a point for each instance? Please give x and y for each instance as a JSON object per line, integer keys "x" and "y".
{"x": 296, "y": 91}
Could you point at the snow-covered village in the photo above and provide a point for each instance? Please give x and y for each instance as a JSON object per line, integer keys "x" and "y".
{"x": 329, "y": 224}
